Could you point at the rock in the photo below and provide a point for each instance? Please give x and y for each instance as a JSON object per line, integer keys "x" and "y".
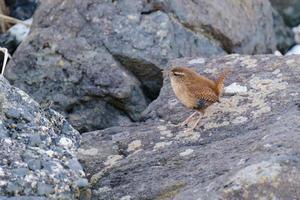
{"x": 294, "y": 50}
{"x": 284, "y": 35}
{"x": 35, "y": 140}
{"x": 34, "y": 164}
{"x": 246, "y": 147}
{"x": 83, "y": 182}
{"x": 44, "y": 189}
{"x": 104, "y": 67}
{"x": 296, "y": 31}
{"x": 22, "y": 198}
{"x": 245, "y": 27}
{"x": 289, "y": 10}
{"x": 22, "y": 9}
{"x": 30, "y": 142}
{"x": 20, "y": 31}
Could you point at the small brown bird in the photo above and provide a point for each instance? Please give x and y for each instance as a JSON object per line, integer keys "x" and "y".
{"x": 195, "y": 91}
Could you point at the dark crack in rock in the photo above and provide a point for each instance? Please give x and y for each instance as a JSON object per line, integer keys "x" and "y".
{"x": 22, "y": 9}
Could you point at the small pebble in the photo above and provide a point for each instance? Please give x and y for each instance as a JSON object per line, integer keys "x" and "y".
{"x": 44, "y": 189}
{"x": 82, "y": 182}
{"x": 34, "y": 164}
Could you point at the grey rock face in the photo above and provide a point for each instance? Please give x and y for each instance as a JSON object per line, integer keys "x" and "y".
{"x": 241, "y": 27}
{"x": 284, "y": 35}
{"x": 245, "y": 147}
{"x": 103, "y": 67}
{"x": 289, "y": 10}
{"x": 35, "y": 149}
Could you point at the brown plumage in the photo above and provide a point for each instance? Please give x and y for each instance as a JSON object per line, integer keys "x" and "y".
{"x": 195, "y": 91}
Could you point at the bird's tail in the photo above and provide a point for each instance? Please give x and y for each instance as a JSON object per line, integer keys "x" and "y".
{"x": 220, "y": 81}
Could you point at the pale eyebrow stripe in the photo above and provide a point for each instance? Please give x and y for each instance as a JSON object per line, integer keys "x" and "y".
{"x": 179, "y": 73}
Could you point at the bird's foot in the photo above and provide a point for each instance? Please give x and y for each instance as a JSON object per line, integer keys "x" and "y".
{"x": 195, "y": 124}
{"x": 186, "y": 122}
{"x": 182, "y": 124}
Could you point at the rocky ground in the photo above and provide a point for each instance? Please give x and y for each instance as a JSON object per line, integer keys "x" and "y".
{"x": 246, "y": 147}
{"x": 99, "y": 64}
{"x": 37, "y": 149}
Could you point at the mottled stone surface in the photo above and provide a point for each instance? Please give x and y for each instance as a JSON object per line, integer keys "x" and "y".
{"x": 289, "y": 9}
{"x": 100, "y": 62}
{"x": 246, "y": 147}
{"x": 240, "y": 26}
{"x": 37, "y": 148}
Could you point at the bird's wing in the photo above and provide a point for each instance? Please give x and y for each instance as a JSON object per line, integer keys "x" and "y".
{"x": 203, "y": 93}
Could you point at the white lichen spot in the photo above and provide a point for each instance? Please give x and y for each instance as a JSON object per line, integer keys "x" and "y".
{"x": 249, "y": 62}
{"x": 211, "y": 125}
{"x": 162, "y": 33}
{"x": 134, "y": 145}
{"x": 125, "y": 74}
{"x": 133, "y": 17}
{"x": 30, "y": 178}
{"x": 277, "y": 71}
{"x": 262, "y": 110}
{"x": 173, "y": 103}
{"x": 267, "y": 145}
{"x": 1, "y": 172}
{"x": 103, "y": 189}
{"x": 289, "y": 62}
{"x": 3, "y": 183}
{"x": 8, "y": 141}
{"x": 265, "y": 137}
{"x": 166, "y": 133}
{"x": 112, "y": 160}
{"x": 262, "y": 88}
{"x": 211, "y": 70}
{"x": 88, "y": 152}
{"x": 239, "y": 120}
{"x": 189, "y": 135}
{"x": 161, "y": 145}
{"x": 65, "y": 142}
{"x": 256, "y": 173}
{"x": 127, "y": 197}
{"x": 197, "y": 61}
{"x": 242, "y": 161}
{"x": 186, "y": 152}
{"x": 235, "y": 88}
{"x": 162, "y": 128}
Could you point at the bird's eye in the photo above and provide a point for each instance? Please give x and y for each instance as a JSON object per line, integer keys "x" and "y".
{"x": 178, "y": 74}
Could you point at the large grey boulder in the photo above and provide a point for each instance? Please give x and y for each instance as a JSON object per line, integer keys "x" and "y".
{"x": 246, "y": 147}
{"x": 37, "y": 150}
{"x": 100, "y": 61}
{"x": 241, "y": 27}
{"x": 289, "y": 10}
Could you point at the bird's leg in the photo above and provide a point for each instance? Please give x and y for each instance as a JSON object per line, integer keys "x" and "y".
{"x": 197, "y": 122}
{"x": 187, "y": 120}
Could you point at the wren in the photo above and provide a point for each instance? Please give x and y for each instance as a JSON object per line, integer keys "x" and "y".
{"x": 195, "y": 91}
